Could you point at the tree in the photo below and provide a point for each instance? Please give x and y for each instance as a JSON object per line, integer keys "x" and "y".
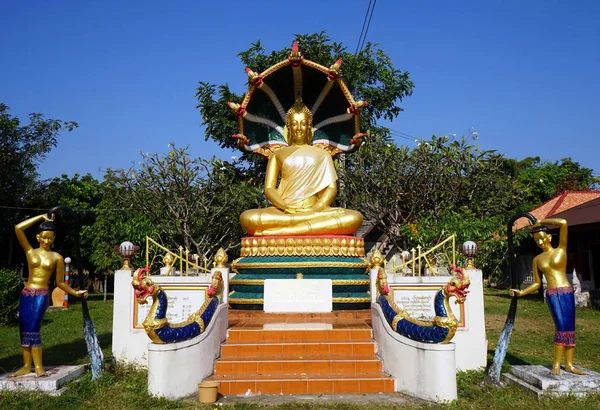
{"x": 192, "y": 202}
{"x": 22, "y": 148}
{"x": 370, "y": 75}
{"x": 81, "y": 194}
{"x": 441, "y": 187}
{"x": 543, "y": 180}
{"x": 116, "y": 223}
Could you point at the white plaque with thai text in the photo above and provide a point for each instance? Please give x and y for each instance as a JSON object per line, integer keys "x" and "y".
{"x": 182, "y": 302}
{"x": 298, "y": 295}
{"x": 418, "y": 301}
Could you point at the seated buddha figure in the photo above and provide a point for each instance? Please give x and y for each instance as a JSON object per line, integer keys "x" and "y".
{"x": 307, "y": 188}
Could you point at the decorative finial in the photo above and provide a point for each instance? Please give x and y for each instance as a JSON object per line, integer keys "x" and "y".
{"x": 295, "y": 57}
{"x": 220, "y": 258}
{"x": 242, "y": 140}
{"x": 254, "y": 79}
{"x": 168, "y": 259}
{"x": 358, "y": 139}
{"x": 238, "y": 109}
{"x": 469, "y": 249}
{"x": 334, "y": 70}
{"x": 126, "y": 250}
{"x": 376, "y": 259}
{"x": 356, "y": 107}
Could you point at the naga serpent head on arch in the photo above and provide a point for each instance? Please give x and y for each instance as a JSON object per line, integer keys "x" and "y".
{"x": 458, "y": 286}
{"x": 143, "y": 286}
{"x": 382, "y": 285}
{"x": 376, "y": 261}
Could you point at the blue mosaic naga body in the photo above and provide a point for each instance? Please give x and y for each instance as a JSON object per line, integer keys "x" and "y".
{"x": 156, "y": 323}
{"x": 443, "y": 326}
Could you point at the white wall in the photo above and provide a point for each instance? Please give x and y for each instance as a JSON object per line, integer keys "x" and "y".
{"x": 130, "y": 344}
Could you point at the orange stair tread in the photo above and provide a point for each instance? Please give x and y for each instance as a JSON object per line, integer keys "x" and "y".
{"x": 372, "y": 358}
{"x": 312, "y": 342}
{"x": 287, "y": 376}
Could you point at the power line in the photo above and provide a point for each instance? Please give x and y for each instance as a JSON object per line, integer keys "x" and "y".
{"x": 368, "y": 25}
{"x": 76, "y": 209}
{"x": 365, "y": 26}
{"x": 403, "y": 135}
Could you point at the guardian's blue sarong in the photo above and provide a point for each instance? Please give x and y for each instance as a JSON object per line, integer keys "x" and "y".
{"x": 32, "y": 306}
{"x": 561, "y": 302}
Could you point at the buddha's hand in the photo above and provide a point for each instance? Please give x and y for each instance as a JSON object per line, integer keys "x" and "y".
{"x": 82, "y": 294}
{"x": 514, "y": 292}
{"x": 318, "y": 207}
{"x": 297, "y": 210}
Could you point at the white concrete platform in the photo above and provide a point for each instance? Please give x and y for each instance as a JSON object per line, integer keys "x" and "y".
{"x": 539, "y": 381}
{"x": 56, "y": 377}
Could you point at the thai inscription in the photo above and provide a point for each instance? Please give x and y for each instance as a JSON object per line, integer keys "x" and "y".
{"x": 418, "y": 301}
{"x": 182, "y": 302}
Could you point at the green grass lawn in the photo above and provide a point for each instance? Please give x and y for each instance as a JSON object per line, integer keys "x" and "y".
{"x": 125, "y": 388}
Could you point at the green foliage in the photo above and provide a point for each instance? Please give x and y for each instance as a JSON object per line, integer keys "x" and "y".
{"x": 115, "y": 224}
{"x": 443, "y": 186}
{"x": 488, "y": 232}
{"x": 82, "y": 194}
{"x": 370, "y": 75}
{"x": 543, "y": 180}
{"x": 11, "y": 285}
{"x": 22, "y": 147}
{"x": 192, "y": 202}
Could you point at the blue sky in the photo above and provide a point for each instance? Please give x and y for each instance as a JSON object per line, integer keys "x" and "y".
{"x": 524, "y": 74}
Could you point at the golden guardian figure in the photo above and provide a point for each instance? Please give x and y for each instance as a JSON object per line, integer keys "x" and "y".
{"x": 552, "y": 263}
{"x": 42, "y": 263}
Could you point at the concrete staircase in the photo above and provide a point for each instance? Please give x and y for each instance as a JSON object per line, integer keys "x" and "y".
{"x": 300, "y": 354}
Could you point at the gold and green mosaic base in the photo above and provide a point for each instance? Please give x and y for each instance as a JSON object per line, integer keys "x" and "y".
{"x": 348, "y": 272}
{"x": 303, "y": 246}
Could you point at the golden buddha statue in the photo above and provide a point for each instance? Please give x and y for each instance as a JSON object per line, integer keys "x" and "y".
{"x": 42, "y": 263}
{"x": 552, "y": 263}
{"x": 307, "y": 188}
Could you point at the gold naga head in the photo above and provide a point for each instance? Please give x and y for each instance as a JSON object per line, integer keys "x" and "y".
{"x": 376, "y": 261}
{"x": 298, "y": 124}
{"x": 458, "y": 286}
{"x": 216, "y": 284}
{"x": 143, "y": 286}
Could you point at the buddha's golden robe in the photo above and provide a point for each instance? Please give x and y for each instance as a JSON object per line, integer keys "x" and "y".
{"x": 305, "y": 174}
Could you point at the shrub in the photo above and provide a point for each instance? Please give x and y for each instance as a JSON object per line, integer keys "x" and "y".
{"x": 11, "y": 285}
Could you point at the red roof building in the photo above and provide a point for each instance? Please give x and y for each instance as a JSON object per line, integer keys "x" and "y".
{"x": 559, "y": 204}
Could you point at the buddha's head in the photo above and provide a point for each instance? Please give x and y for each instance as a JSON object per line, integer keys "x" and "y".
{"x": 46, "y": 235}
{"x": 541, "y": 237}
{"x": 298, "y": 123}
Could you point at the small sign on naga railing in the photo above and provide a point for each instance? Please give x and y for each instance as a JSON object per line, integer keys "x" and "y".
{"x": 189, "y": 263}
